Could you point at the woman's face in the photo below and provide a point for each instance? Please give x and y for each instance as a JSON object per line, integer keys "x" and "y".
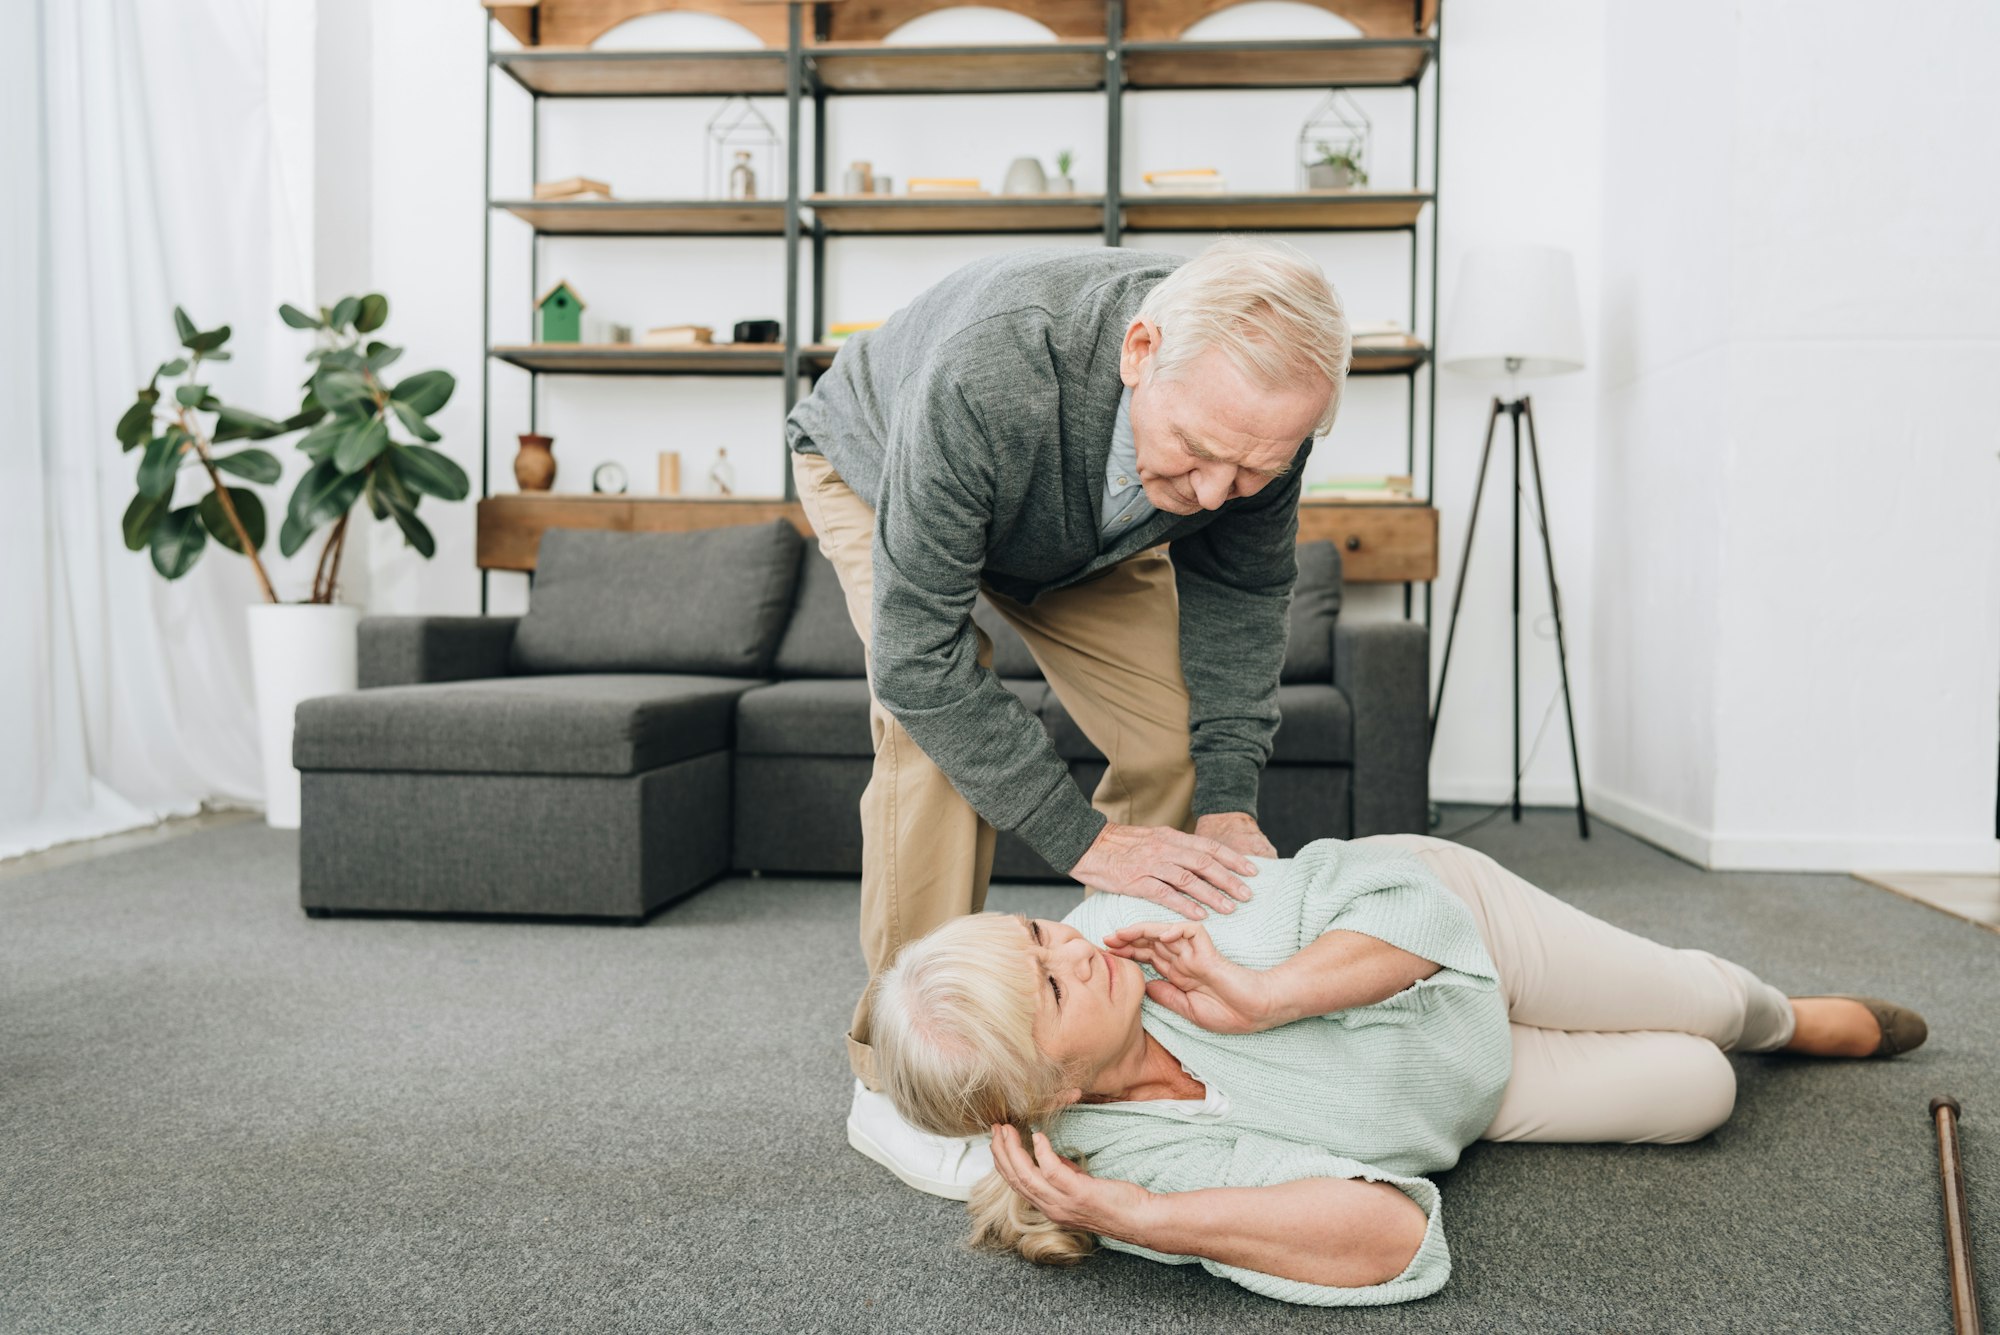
{"x": 1087, "y": 1007}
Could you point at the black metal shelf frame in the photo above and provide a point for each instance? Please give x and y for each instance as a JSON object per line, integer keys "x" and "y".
{"x": 803, "y": 80}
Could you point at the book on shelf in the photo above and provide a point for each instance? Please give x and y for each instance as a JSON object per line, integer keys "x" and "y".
{"x": 945, "y": 185}
{"x": 677, "y": 336}
{"x": 1186, "y": 180}
{"x": 572, "y": 187}
{"x": 1390, "y": 489}
{"x": 839, "y": 333}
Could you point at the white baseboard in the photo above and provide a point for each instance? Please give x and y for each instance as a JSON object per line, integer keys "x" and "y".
{"x": 1728, "y": 852}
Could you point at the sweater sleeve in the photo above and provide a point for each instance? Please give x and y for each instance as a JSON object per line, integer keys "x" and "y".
{"x": 1392, "y": 897}
{"x": 1262, "y": 1161}
{"x": 931, "y": 521}
{"x": 1234, "y": 578}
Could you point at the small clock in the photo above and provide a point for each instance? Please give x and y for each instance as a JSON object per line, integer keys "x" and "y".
{"x": 608, "y": 478}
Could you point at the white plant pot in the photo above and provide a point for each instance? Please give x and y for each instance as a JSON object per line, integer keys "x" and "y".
{"x": 297, "y": 651}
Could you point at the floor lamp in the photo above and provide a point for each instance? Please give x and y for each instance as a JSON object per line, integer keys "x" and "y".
{"x": 1515, "y": 314}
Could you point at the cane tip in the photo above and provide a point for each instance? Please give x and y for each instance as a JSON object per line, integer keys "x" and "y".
{"x": 1944, "y": 1101}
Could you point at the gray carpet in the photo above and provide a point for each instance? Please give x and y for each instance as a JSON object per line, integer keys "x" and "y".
{"x": 217, "y": 1114}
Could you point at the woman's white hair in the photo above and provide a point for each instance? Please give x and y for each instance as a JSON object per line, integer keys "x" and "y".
{"x": 952, "y": 1025}
{"x": 1265, "y": 305}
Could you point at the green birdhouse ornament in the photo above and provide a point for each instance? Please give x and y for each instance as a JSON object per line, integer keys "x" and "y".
{"x": 562, "y": 314}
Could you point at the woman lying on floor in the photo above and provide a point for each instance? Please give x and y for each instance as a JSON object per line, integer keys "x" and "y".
{"x": 1262, "y": 1091}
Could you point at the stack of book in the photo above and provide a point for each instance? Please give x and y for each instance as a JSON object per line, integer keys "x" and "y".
{"x": 1187, "y": 181}
{"x": 1394, "y": 489}
{"x": 840, "y": 333}
{"x": 945, "y": 185}
{"x": 677, "y": 336}
{"x": 1381, "y": 335}
{"x": 572, "y": 189}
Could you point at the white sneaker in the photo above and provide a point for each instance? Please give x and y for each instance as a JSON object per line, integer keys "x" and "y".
{"x": 946, "y": 1166}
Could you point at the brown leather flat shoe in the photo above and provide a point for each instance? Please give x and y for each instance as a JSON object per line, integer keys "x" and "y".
{"x": 1903, "y": 1030}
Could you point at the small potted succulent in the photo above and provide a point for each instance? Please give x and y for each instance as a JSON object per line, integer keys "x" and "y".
{"x": 1335, "y": 169}
{"x": 1064, "y": 183}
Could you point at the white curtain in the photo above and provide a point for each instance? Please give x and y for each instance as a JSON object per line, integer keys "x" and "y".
{"x": 157, "y": 152}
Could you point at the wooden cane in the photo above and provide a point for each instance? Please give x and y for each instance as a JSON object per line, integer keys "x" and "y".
{"x": 1958, "y": 1243}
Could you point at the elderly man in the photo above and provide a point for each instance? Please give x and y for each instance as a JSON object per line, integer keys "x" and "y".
{"x": 1108, "y": 444}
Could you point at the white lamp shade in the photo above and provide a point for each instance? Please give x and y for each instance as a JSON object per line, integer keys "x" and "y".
{"x": 1515, "y": 313}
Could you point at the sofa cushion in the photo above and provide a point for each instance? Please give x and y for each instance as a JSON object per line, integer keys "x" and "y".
{"x": 710, "y": 602}
{"x": 573, "y": 724}
{"x": 819, "y": 640}
{"x": 824, "y": 717}
{"x": 1316, "y": 727}
{"x": 1315, "y": 606}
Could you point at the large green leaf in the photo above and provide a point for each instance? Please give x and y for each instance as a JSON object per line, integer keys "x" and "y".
{"x": 320, "y": 442}
{"x": 174, "y": 367}
{"x": 414, "y": 530}
{"x": 344, "y": 312}
{"x": 257, "y": 465}
{"x": 160, "y": 465}
{"x": 292, "y": 535}
{"x": 183, "y": 327}
{"x": 297, "y": 318}
{"x": 381, "y": 355}
{"x": 306, "y": 416}
{"x": 324, "y": 493}
{"x": 240, "y": 424}
{"x": 209, "y": 341}
{"x": 140, "y": 516}
{"x": 414, "y": 421}
{"x": 338, "y": 389}
{"x": 135, "y": 428}
{"x": 190, "y": 396}
{"x": 432, "y": 473}
{"x": 372, "y": 494}
{"x": 374, "y": 310}
{"x": 360, "y": 446}
{"x": 177, "y": 542}
{"x": 217, "y": 356}
{"x": 248, "y": 508}
{"x": 425, "y": 392}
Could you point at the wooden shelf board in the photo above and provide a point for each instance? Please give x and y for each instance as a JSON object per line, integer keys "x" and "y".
{"x": 583, "y": 72}
{"x": 634, "y": 217}
{"x": 1308, "y": 210}
{"x": 633, "y": 359}
{"x": 1380, "y": 544}
{"x": 1043, "y": 67}
{"x": 1387, "y": 361}
{"x": 958, "y": 213}
{"x": 1253, "y": 64}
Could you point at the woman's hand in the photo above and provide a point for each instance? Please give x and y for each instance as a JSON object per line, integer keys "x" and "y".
{"x": 1197, "y": 981}
{"x": 1062, "y": 1191}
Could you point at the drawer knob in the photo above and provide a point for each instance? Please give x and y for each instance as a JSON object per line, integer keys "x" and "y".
{"x": 1353, "y": 543}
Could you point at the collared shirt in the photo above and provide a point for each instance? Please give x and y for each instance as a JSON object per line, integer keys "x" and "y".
{"x": 1125, "y": 502}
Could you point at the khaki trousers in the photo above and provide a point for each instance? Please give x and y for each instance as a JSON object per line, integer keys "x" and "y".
{"x": 1110, "y": 649}
{"x": 1616, "y": 1038}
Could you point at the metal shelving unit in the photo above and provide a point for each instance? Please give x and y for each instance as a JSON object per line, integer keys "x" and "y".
{"x": 809, "y": 73}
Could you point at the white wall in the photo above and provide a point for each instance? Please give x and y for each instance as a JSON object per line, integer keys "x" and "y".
{"x": 1800, "y": 519}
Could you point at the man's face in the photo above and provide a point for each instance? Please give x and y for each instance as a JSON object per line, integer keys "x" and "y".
{"x": 1210, "y": 435}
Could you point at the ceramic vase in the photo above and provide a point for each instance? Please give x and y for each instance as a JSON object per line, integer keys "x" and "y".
{"x": 1025, "y": 177}
{"x": 535, "y": 465}
{"x": 297, "y": 651}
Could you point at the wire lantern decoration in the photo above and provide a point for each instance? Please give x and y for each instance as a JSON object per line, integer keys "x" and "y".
{"x": 1333, "y": 144}
{"x": 740, "y": 158}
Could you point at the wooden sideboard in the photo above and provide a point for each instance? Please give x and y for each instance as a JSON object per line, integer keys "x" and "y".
{"x": 1380, "y": 544}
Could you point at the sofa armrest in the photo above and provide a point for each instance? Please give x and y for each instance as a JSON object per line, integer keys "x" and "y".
{"x": 407, "y": 651}
{"x": 1383, "y": 667}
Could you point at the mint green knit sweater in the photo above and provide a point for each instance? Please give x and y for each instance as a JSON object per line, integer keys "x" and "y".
{"x": 1384, "y": 1092}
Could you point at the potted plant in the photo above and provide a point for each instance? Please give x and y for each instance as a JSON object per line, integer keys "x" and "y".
{"x": 1064, "y": 183}
{"x": 305, "y": 648}
{"x": 1335, "y": 169}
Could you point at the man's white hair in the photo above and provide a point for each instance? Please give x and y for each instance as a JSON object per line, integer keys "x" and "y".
{"x": 1265, "y": 305}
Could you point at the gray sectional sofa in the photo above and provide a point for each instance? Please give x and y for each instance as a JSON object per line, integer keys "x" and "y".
{"x": 676, "y": 706}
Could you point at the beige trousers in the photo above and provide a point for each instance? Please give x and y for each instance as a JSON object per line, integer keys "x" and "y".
{"x": 1110, "y": 649}
{"x": 1616, "y": 1038}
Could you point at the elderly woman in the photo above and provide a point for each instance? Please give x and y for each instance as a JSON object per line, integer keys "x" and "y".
{"x": 1262, "y": 1091}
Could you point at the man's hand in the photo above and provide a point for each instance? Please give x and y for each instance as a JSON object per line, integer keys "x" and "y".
{"x": 1197, "y": 981}
{"x": 1239, "y": 830}
{"x": 1179, "y": 871}
{"x": 1062, "y": 1191}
